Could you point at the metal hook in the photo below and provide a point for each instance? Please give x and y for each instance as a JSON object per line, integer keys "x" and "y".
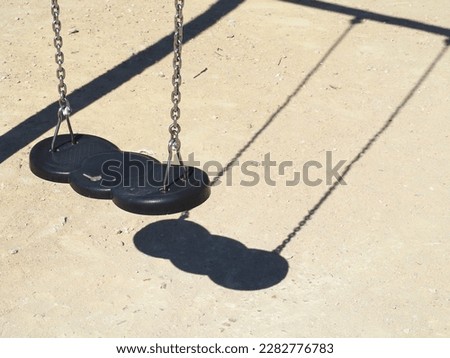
{"x": 174, "y": 149}
{"x": 63, "y": 114}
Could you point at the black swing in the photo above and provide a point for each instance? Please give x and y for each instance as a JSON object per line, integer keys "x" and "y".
{"x": 96, "y": 168}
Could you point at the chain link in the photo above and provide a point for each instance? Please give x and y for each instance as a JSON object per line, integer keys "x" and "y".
{"x": 64, "y": 105}
{"x": 59, "y": 56}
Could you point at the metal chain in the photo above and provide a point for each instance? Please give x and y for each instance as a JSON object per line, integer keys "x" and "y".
{"x": 175, "y": 113}
{"x": 64, "y": 110}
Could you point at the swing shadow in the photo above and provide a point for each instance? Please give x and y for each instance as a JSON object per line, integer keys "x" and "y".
{"x": 363, "y": 151}
{"x": 227, "y": 262}
{"x": 373, "y": 16}
{"x": 33, "y": 127}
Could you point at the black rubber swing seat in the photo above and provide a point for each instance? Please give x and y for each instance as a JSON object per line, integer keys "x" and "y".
{"x": 188, "y": 187}
{"x": 67, "y": 157}
{"x": 100, "y": 173}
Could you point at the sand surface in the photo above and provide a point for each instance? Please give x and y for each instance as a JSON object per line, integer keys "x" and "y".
{"x": 366, "y": 82}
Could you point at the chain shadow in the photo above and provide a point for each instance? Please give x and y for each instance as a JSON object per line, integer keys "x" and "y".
{"x": 363, "y": 151}
{"x": 33, "y": 127}
{"x": 227, "y": 262}
{"x": 288, "y": 100}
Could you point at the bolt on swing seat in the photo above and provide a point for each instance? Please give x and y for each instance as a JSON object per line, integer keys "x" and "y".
{"x": 55, "y": 158}
{"x": 99, "y": 174}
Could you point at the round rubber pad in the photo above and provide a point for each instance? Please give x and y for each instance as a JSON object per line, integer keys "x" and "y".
{"x": 100, "y": 173}
{"x": 56, "y": 166}
{"x": 184, "y": 192}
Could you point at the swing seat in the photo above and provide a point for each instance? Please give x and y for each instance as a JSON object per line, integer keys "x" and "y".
{"x": 188, "y": 187}
{"x": 57, "y": 165}
{"x": 100, "y": 173}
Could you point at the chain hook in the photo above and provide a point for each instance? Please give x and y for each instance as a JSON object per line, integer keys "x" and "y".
{"x": 63, "y": 114}
{"x": 173, "y": 148}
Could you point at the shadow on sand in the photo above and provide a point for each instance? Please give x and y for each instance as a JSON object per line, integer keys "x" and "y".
{"x": 227, "y": 262}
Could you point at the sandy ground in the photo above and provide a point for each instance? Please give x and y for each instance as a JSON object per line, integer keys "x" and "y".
{"x": 291, "y": 78}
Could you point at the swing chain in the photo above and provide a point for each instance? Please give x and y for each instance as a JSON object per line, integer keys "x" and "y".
{"x": 59, "y": 57}
{"x": 174, "y": 129}
{"x": 64, "y": 110}
{"x": 175, "y": 112}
